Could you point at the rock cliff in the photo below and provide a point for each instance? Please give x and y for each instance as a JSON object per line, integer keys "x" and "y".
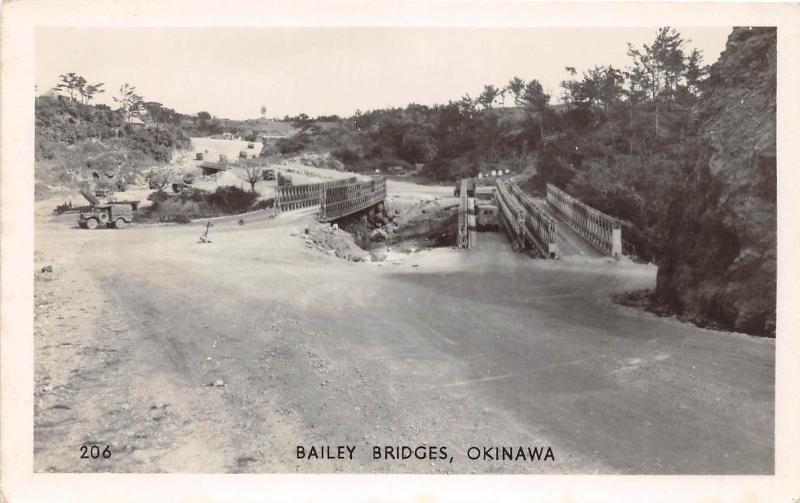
{"x": 718, "y": 267}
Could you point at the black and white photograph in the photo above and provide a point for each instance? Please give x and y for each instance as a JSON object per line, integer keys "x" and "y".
{"x": 420, "y": 250}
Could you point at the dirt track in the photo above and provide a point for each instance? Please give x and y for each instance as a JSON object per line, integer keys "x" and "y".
{"x": 443, "y": 347}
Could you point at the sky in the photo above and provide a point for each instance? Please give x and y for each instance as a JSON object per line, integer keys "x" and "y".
{"x": 232, "y": 72}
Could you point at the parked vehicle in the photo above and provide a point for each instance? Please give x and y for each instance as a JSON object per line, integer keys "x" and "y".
{"x": 268, "y": 174}
{"x": 199, "y": 156}
{"x": 116, "y": 215}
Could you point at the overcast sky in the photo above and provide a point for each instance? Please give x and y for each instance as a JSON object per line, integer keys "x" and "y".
{"x": 231, "y": 72}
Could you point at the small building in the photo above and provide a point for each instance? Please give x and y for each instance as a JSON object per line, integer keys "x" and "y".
{"x": 136, "y": 122}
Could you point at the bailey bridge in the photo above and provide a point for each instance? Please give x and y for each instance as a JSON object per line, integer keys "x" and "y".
{"x": 336, "y": 198}
{"x": 558, "y": 225}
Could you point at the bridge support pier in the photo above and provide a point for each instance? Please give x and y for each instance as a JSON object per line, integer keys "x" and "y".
{"x": 616, "y": 243}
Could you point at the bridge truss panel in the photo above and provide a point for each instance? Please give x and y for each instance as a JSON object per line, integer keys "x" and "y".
{"x": 337, "y": 201}
{"x": 601, "y": 231}
{"x": 513, "y": 216}
{"x": 295, "y": 197}
{"x": 542, "y": 228}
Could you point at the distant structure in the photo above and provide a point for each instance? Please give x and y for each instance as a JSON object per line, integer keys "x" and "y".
{"x": 135, "y": 121}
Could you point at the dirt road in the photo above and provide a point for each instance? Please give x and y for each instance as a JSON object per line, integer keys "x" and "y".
{"x": 223, "y": 357}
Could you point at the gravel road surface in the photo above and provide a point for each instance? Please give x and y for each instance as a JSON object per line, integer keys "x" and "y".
{"x": 224, "y": 357}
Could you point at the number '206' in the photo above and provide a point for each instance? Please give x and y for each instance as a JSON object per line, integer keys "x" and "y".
{"x": 94, "y": 452}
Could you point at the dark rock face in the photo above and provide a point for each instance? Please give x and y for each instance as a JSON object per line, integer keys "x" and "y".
{"x": 718, "y": 267}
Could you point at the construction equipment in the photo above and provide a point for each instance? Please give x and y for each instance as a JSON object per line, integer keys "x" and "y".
{"x": 108, "y": 214}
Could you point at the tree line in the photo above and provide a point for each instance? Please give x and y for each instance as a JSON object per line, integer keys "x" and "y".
{"x": 613, "y": 136}
{"x": 128, "y": 100}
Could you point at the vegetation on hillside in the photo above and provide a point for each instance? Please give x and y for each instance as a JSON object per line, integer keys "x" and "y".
{"x": 74, "y": 137}
{"x": 617, "y": 139}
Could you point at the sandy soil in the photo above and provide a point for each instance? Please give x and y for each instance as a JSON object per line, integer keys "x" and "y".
{"x": 185, "y": 162}
{"x": 223, "y": 357}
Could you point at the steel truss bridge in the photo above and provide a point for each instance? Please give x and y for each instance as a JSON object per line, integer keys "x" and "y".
{"x": 536, "y": 226}
{"x": 339, "y": 201}
{"x": 336, "y": 199}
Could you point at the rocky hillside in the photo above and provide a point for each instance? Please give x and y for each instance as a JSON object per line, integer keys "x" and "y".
{"x": 719, "y": 268}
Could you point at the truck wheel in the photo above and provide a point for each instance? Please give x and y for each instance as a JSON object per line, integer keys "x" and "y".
{"x": 82, "y": 225}
{"x": 120, "y": 223}
{"x": 103, "y": 218}
{"x": 91, "y": 223}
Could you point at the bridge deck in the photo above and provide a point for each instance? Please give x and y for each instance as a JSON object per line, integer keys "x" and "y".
{"x": 569, "y": 242}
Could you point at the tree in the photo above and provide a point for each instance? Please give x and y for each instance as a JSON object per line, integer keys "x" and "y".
{"x": 159, "y": 181}
{"x": 660, "y": 67}
{"x": 155, "y": 111}
{"x": 72, "y": 83}
{"x": 516, "y": 86}
{"x": 250, "y": 173}
{"x": 129, "y": 102}
{"x": 533, "y": 97}
{"x": 535, "y": 101}
{"x": 263, "y": 111}
{"x": 204, "y": 117}
{"x": 89, "y": 90}
{"x": 466, "y": 105}
{"x": 696, "y": 72}
{"x": 488, "y": 96}
{"x": 603, "y": 85}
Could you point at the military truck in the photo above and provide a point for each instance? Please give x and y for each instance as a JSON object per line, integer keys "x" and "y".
{"x": 111, "y": 213}
{"x": 267, "y": 174}
{"x": 108, "y": 215}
